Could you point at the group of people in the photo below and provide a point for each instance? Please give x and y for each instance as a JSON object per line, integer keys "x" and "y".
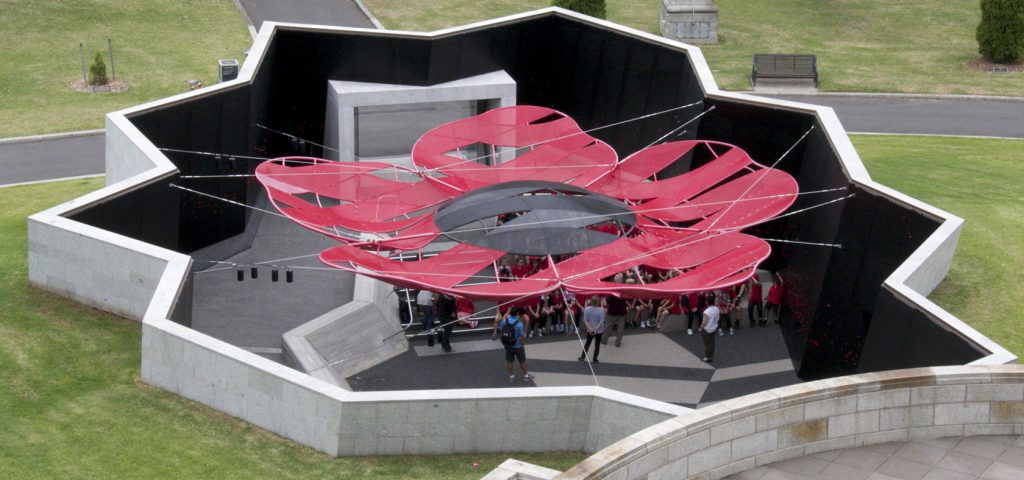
{"x": 443, "y": 307}
{"x": 710, "y": 313}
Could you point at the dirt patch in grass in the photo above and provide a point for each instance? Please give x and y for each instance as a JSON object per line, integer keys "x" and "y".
{"x": 985, "y": 65}
{"x": 116, "y": 86}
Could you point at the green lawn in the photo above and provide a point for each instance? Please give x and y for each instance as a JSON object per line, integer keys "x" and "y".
{"x": 72, "y": 405}
{"x": 979, "y": 180}
{"x": 158, "y": 47}
{"x": 862, "y": 45}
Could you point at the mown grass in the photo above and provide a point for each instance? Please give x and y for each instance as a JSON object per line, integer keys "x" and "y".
{"x": 978, "y": 180}
{"x": 862, "y": 45}
{"x": 72, "y": 405}
{"x": 158, "y": 47}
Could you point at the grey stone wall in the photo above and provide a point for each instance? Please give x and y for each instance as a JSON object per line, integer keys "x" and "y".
{"x": 92, "y": 266}
{"x": 844, "y": 412}
{"x": 338, "y": 422}
{"x": 241, "y": 384}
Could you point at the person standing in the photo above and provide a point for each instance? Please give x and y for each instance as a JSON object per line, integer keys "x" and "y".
{"x": 754, "y": 301}
{"x": 572, "y": 313}
{"x": 724, "y": 302}
{"x": 707, "y": 328}
{"x": 695, "y": 308}
{"x": 425, "y": 304}
{"x": 513, "y": 333}
{"x": 616, "y": 316}
{"x": 775, "y": 297}
{"x": 593, "y": 321}
{"x": 445, "y": 305}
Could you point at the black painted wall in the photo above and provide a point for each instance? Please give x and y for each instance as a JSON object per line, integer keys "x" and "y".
{"x": 834, "y": 302}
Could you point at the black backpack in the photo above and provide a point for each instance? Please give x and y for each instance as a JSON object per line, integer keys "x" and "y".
{"x": 508, "y": 333}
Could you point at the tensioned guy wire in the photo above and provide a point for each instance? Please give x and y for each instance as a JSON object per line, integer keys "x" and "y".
{"x": 613, "y": 124}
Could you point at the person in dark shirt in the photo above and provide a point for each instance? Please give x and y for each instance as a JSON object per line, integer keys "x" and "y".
{"x": 616, "y": 317}
{"x": 445, "y": 305}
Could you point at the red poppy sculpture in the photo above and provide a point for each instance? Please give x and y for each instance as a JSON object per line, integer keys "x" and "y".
{"x": 553, "y": 192}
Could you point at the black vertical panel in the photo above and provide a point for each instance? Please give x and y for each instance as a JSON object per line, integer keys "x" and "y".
{"x": 538, "y": 76}
{"x": 446, "y": 58}
{"x": 636, "y": 87}
{"x": 902, "y": 336}
{"x": 834, "y": 325}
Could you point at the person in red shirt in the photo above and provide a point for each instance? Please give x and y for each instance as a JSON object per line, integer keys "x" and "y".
{"x": 520, "y": 270}
{"x": 774, "y": 301}
{"x": 693, "y": 306}
{"x": 533, "y": 265}
{"x": 534, "y": 308}
{"x": 464, "y": 310}
{"x": 755, "y": 301}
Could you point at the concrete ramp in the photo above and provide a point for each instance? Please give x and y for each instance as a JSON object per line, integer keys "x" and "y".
{"x": 351, "y": 338}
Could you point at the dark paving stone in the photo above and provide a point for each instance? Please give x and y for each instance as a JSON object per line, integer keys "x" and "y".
{"x": 726, "y": 389}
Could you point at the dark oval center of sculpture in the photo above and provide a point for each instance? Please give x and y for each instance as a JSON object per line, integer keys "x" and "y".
{"x": 540, "y": 218}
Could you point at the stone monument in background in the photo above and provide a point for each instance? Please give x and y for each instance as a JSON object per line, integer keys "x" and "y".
{"x": 690, "y": 21}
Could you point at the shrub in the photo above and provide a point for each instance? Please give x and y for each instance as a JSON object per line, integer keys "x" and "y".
{"x": 1001, "y": 31}
{"x": 98, "y": 71}
{"x": 594, "y": 8}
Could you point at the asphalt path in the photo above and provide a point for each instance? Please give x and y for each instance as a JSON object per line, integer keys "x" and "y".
{"x": 66, "y": 157}
{"x": 319, "y": 12}
{"x": 917, "y": 115}
{"x": 51, "y": 158}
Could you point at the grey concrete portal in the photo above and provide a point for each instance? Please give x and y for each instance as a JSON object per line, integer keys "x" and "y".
{"x": 382, "y": 120}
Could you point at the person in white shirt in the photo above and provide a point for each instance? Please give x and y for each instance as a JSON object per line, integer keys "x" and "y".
{"x": 708, "y": 327}
{"x": 425, "y": 304}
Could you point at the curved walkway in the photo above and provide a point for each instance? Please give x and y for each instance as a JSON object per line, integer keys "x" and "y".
{"x": 954, "y": 458}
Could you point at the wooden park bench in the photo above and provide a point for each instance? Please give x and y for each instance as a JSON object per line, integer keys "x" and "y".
{"x": 770, "y": 65}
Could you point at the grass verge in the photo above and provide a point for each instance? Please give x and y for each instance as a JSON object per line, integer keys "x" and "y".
{"x": 862, "y": 45}
{"x": 72, "y": 405}
{"x": 158, "y": 47}
{"x": 978, "y": 180}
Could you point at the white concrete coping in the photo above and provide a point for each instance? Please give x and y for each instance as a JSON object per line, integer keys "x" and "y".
{"x": 515, "y": 470}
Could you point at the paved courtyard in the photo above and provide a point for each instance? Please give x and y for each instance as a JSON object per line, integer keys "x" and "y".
{"x": 665, "y": 367}
{"x": 955, "y": 458}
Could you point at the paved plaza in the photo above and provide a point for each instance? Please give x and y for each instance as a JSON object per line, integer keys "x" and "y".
{"x": 955, "y": 458}
{"x": 664, "y": 367}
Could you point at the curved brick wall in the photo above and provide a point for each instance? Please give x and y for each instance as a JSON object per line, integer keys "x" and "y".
{"x": 788, "y": 422}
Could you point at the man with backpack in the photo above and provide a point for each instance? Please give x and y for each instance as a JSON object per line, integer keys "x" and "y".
{"x": 512, "y": 333}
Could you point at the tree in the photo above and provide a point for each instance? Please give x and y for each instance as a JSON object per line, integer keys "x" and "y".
{"x": 98, "y": 71}
{"x": 1001, "y": 31}
{"x": 594, "y": 8}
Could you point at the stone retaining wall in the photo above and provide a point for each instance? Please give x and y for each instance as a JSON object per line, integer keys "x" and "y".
{"x": 844, "y": 412}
